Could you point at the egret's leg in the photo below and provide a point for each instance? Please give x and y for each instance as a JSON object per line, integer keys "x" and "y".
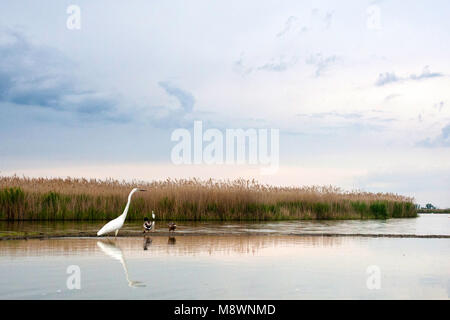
{"x": 117, "y": 231}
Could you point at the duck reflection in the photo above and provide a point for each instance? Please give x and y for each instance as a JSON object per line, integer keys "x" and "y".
{"x": 172, "y": 241}
{"x": 147, "y": 242}
{"x": 113, "y": 250}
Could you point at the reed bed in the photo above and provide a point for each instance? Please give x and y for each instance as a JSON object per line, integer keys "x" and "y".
{"x": 23, "y": 198}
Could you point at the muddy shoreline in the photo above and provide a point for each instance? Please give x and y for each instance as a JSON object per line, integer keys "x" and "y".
{"x": 219, "y": 234}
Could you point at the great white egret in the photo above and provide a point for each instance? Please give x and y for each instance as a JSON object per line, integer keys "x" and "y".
{"x": 117, "y": 223}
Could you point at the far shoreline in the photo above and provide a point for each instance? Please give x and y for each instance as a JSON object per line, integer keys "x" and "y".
{"x": 433, "y": 211}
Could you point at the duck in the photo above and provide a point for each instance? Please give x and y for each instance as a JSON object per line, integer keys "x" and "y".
{"x": 148, "y": 226}
{"x": 172, "y": 226}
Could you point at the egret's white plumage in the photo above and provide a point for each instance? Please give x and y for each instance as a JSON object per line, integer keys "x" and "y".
{"x": 115, "y": 252}
{"x": 117, "y": 223}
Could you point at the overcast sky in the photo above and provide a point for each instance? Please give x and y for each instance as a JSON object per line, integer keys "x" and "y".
{"x": 359, "y": 90}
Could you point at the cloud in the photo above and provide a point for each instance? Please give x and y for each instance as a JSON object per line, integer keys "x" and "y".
{"x": 240, "y": 67}
{"x": 321, "y": 63}
{"x": 335, "y": 122}
{"x": 40, "y": 77}
{"x": 321, "y": 115}
{"x": 385, "y": 78}
{"x": 442, "y": 140}
{"x": 288, "y": 25}
{"x": 279, "y": 64}
{"x": 293, "y": 25}
{"x": 426, "y": 184}
{"x": 425, "y": 74}
{"x": 390, "y": 77}
{"x": 391, "y": 97}
{"x": 185, "y": 99}
{"x": 163, "y": 117}
{"x": 29, "y": 74}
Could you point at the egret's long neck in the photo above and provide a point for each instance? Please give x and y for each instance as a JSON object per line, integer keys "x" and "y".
{"x": 125, "y": 211}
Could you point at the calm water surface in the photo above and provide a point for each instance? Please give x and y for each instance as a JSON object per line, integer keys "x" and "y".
{"x": 236, "y": 266}
{"x": 425, "y": 224}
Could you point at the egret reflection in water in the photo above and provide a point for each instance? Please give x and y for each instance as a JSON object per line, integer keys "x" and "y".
{"x": 111, "y": 249}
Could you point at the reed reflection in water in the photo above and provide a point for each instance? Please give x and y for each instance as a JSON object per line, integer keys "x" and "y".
{"x": 184, "y": 245}
{"x": 225, "y": 267}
